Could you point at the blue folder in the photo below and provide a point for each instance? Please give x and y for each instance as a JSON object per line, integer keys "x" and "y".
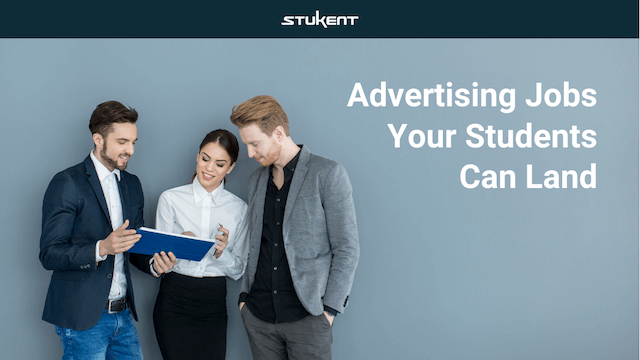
{"x": 183, "y": 247}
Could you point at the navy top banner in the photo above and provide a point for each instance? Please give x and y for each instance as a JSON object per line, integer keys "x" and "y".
{"x": 404, "y": 19}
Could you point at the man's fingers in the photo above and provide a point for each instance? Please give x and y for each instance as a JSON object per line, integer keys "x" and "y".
{"x": 126, "y": 248}
{"x": 127, "y": 238}
{"x": 122, "y": 248}
{"x": 124, "y": 232}
{"x": 124, "y": 225}
{"x": 120, "y": 240}
{"x": 122, "y": 244}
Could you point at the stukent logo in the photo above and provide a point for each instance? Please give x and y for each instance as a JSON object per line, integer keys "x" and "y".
{"x": 316, "y": 20}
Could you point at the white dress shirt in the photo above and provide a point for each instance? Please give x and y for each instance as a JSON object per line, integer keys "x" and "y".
{"x": 111, "y": 192}
{"x": 191, "y": 208}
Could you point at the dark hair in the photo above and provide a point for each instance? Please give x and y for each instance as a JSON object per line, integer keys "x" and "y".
{"x": 262, "y": 110}
{"x": 226, "y": 140}
{"x": 108, "y": 113}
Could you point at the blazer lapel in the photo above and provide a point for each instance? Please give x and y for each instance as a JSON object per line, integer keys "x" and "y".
{"x": 258, "y": 201}
{"x": 124, "y": 198}
{"x": 95, "y": 184}
{"x": 296, "y": 183}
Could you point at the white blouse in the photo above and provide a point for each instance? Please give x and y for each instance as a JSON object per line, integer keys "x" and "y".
{"x": 191, "y": 208}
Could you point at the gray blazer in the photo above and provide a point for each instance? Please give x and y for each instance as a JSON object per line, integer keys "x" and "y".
{"x": 319, "y": 230}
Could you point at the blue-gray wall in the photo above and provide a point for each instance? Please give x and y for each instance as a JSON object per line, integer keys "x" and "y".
{"x": 445, "y": 272}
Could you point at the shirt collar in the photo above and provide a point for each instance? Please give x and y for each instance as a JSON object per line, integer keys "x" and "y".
{"x": 102, "y": 170}
{"x": 200, "y": 193}
{"x": 290, "y": 168}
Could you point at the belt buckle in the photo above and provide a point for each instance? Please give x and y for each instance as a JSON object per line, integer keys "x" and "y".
{"x": 117, "y": 304}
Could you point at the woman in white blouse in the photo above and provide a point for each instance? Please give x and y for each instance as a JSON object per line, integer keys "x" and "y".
{"x": 190, "y": 315}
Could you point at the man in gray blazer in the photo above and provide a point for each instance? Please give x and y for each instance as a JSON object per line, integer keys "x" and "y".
{"x": 303, "y": 239}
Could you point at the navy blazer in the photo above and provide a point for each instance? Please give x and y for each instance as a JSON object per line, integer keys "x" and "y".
{"x": 74, "y": 218}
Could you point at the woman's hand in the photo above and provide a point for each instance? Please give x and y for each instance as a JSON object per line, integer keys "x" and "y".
{"x": 223, "y": 240}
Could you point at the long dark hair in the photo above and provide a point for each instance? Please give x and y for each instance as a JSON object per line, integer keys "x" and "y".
{"x": 226, "y": 140}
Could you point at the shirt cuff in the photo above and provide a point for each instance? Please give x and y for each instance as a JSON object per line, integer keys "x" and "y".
{"x": 243, "y": 297}
{"x": 152, "y": 270}
{"x": 98, "y": 257}
{"x": 331, "y": 310}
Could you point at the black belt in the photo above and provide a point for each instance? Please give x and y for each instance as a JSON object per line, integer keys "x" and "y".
{"x": 115, "y": 306}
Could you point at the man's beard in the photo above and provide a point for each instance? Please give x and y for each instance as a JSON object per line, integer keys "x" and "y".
{"x": 272, "y": 155}
{"x": 111, "y": 162}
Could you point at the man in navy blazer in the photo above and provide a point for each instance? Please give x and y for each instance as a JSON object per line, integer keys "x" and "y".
{"x": 89, "y": 216}
{"x": 303, "y": 239}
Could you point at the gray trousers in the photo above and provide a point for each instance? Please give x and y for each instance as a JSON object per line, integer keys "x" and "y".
{"x": 306, "y": 339}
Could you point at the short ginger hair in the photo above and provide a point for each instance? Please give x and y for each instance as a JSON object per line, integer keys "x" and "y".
{"x": 262, "y": 110}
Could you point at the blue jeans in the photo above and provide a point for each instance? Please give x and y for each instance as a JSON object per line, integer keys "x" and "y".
{"x": 113, "y": 337}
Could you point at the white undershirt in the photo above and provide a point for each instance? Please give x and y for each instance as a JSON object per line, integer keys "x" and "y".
{"x": 111, "y": 193}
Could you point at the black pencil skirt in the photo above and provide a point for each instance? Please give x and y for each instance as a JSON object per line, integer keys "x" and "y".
{"x": 190, "y": 317}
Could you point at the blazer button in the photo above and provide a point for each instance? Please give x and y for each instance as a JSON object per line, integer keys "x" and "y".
{"x": 109, "y": 276}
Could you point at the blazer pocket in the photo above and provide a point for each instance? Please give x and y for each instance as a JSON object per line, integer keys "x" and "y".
{"x": 313, "y": 255}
